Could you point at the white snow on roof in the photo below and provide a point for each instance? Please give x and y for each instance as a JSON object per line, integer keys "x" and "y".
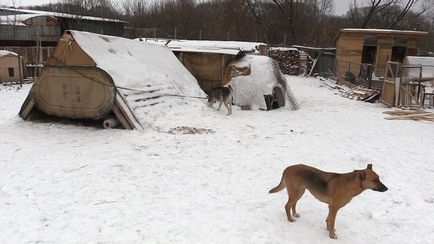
{"x": 146, "y": 67}
{"x": 18, "y": 19}
{"x": 224, "y": 47}
{"x": 384, "y": 31}
{"x": 283, "y": 49}
{"x": 7, "y": 53}
{"x": 427, "y": 64}
{"x": 61, "y": 15}
{"x": 233, "y": 52}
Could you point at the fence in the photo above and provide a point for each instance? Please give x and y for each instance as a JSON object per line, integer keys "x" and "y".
{"x": 360, "y": 74}
{"x": 34, "y": 58}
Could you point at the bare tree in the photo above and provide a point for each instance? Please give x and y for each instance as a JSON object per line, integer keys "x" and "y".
{"x": 255, "y": 9}
{"x": 298, "y": 13}
{"x": 386, "y": 13}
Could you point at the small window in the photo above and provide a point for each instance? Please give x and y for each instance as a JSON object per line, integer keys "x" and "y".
{"x": 11, "y": 72}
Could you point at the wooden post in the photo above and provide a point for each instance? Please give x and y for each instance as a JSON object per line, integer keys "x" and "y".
{"x": 36, "y": 60}
{"x": 398, "y": 86}
{"x": 419, "y": 85}
{"x": 20, "y": 75}
{"x": 370, "y": 71}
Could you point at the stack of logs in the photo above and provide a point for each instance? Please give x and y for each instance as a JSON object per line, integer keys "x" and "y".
{"x": 288, "y": 59}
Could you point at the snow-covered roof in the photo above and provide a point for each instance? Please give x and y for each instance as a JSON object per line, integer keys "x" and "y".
{"x": 381, "y": 32}
{"x": 233, "y": 52}
{"x": 4, "y": 53}
{"x": 413, "y": 62}
{"x": 61, "y": 15}
{"x": 284, "y": 49}
{"x": 19, "y": 19}
{"x": 222, "y": 47}
{"x": 384, "y": 31}
{"x": 150, "y": 72}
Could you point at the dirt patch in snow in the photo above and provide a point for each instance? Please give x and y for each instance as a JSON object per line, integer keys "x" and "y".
{"x": 190, "y": 130}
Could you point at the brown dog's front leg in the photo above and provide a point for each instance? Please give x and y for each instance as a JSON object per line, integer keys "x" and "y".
{"x": 333, "y": 210}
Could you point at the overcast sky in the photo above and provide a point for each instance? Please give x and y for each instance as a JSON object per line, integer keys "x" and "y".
{"x": 341, "y": 6}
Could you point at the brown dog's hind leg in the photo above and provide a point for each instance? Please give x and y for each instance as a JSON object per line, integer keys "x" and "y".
{"x": 293, "y": 196}
{"x": 299, "y": 195}
{"x": 288, "y": 207}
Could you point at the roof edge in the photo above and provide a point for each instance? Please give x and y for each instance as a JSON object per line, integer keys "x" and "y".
{"x": 381, "y": 31}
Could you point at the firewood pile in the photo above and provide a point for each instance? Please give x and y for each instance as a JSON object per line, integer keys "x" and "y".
{"x": 417, "y": 115}
{"x": 288, "y": 59}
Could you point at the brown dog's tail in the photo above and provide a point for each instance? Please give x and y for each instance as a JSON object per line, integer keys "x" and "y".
{"x": 279, "y": 187}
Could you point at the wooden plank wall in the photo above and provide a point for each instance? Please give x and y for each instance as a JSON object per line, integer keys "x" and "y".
{"x": 207, "y": 68}
{"x": 349, "y": 48}
{"x": 348, "y": 52}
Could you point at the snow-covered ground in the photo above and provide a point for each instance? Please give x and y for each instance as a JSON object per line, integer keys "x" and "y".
{"x": 63, "y": 183}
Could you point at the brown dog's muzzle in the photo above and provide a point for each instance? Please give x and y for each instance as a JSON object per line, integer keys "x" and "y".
{"x": 381, "y": 188}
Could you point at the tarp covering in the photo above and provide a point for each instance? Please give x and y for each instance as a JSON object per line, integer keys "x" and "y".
{"x": 264, "y": 75}
{"x": 149, "y": 79}
{"x": 427, "y": 64}
{"x": 139, "y": 66}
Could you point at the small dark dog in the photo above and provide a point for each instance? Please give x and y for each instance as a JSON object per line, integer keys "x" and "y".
{"x": 332, "y": 188}
{"x": 224, "y": 95}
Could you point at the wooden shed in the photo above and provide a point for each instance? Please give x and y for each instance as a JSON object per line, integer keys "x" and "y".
{"x": 206, "y": 66}
{"x": 207, "y": 60}
{"x": 11, "y": 67}
{"x": 355, "y": 47}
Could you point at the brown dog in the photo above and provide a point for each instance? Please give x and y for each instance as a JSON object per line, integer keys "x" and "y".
{"x": 332, "y": 188}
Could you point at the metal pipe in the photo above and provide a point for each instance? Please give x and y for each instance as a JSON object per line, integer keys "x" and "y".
{"x": 110, "y": 123}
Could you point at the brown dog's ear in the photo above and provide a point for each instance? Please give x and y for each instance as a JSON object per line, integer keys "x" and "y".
{"x": 361, "y": 174}
{"x": 369, "y": 166}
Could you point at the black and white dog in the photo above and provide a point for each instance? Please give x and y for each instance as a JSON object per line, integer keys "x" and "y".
{"x": 224, "y": 95}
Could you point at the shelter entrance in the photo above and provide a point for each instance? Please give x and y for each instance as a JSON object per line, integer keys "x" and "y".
{"x": 275, "y": 100}
{"x": 399, "y": 49}
{"x": 369, "y": 52}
